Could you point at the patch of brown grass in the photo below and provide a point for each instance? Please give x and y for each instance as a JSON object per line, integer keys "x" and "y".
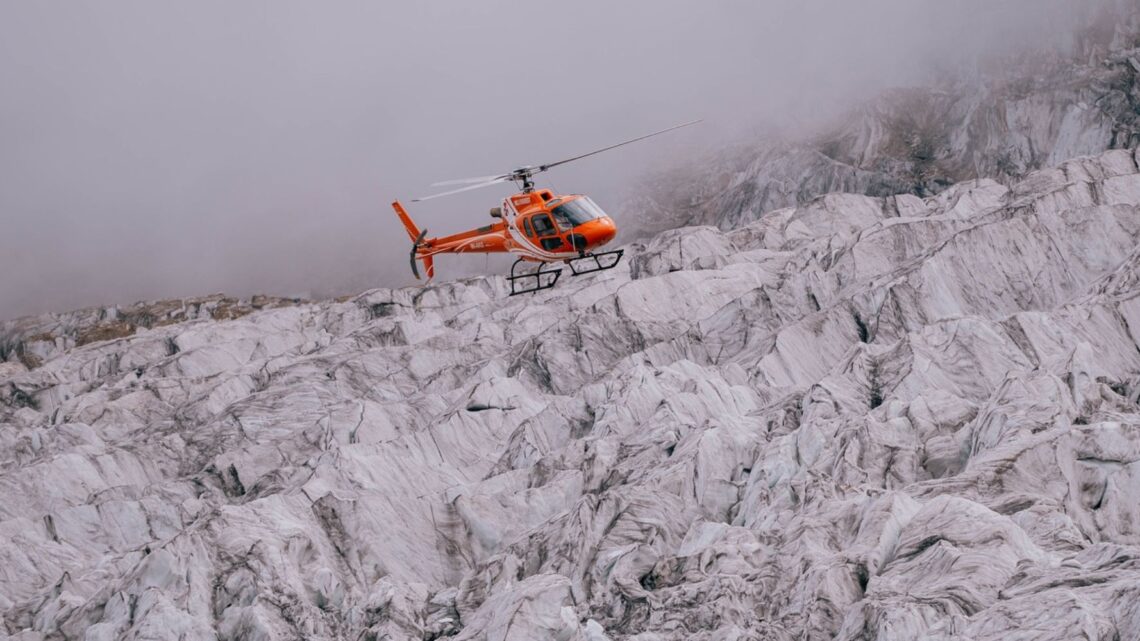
{"x": 104, "y": 332}
{"x": 30, "y": 361}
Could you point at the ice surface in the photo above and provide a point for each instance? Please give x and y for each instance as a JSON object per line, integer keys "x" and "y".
{"x": 860, "y": 418}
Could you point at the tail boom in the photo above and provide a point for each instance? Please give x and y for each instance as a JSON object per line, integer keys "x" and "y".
{"x": 484, "y": 240}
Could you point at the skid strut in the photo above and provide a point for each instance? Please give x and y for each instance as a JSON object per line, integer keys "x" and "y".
{"x": 601, "y": 262}
{"x": 541, "y": 279}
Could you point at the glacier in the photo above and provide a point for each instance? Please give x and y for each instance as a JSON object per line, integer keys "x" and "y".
{"x": 861, "y": 417}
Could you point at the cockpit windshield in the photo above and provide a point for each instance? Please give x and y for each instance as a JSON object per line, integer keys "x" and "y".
{"x": 575, "y": 212}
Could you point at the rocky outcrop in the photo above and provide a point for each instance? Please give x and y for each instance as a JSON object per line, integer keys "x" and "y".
{"x": 33, "y": 339}
{"x": 888, "y": 418}
{"x": 999, "y": 120}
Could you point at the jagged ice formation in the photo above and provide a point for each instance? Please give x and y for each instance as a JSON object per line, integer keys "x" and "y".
{"x": 887, "y": 418}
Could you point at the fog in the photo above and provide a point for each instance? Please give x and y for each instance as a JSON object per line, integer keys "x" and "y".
{"x": 161, "y": 149}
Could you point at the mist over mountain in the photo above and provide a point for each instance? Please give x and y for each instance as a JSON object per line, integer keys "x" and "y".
{"x": 871, "y": 375}
{"x": 998, "y": 116}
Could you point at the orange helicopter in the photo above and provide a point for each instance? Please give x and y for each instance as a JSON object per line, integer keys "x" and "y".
{"x": 536, "y": 224}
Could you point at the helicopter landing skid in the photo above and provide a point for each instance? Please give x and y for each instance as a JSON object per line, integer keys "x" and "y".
{"x": 599, "y": 265}
{"x": 539, "y": 284}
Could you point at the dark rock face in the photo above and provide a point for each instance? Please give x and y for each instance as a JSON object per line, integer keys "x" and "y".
{"x": 888, "y": 418}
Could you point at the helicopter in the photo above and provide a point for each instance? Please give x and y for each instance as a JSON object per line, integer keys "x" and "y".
{"x": 535, "y": 224}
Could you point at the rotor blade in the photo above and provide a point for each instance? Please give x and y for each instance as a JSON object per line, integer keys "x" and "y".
{"x": 563, "y": 162}
{"x": 467, "y": 181}
{"x": 500, "y": 179}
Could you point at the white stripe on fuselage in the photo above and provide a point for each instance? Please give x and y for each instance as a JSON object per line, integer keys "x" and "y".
{"x": 525, "y": 247}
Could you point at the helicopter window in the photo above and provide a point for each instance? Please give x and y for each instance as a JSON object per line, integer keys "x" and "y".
{"x": 542, "y": 225}
{"x": 577, "y": 211}
{"x": 564, "y": 223}
{"x": 527, "y": 229}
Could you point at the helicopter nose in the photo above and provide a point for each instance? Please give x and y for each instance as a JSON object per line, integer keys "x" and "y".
{"x": 598, "y": 232}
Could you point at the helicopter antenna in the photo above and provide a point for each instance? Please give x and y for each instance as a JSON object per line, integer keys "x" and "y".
{"x": 523, "y": 175}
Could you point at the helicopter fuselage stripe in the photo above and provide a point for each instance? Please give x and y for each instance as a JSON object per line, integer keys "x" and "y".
{"x": 523, "y": 244}
{"x": 486, "y": 243}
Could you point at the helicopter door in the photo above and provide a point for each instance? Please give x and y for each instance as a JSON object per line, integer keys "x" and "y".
{"x": 548, "y": 236}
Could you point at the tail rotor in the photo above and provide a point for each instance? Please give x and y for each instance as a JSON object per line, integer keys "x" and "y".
{"x": 420, "y": 242}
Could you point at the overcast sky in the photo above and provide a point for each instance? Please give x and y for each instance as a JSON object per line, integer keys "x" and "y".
{"x": 155, "y": 149}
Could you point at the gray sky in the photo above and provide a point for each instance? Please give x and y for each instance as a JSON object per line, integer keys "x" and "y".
{"x": 156, "y": 149}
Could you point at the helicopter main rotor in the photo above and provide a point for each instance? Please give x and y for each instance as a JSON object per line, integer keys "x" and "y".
{"x": 523, "y": 175}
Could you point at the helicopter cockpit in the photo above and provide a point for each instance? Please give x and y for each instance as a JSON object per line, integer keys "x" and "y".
{"x": 571, "y": 213}
{"x": 551, "y": 224}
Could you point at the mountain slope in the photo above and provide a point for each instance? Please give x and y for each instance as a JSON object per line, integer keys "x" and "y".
{"x": 861, "y": 418}
{"x": 1000, "y": 120}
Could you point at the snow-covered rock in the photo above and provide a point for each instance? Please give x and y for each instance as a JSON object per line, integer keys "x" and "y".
{"x": 886, "y": 418}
